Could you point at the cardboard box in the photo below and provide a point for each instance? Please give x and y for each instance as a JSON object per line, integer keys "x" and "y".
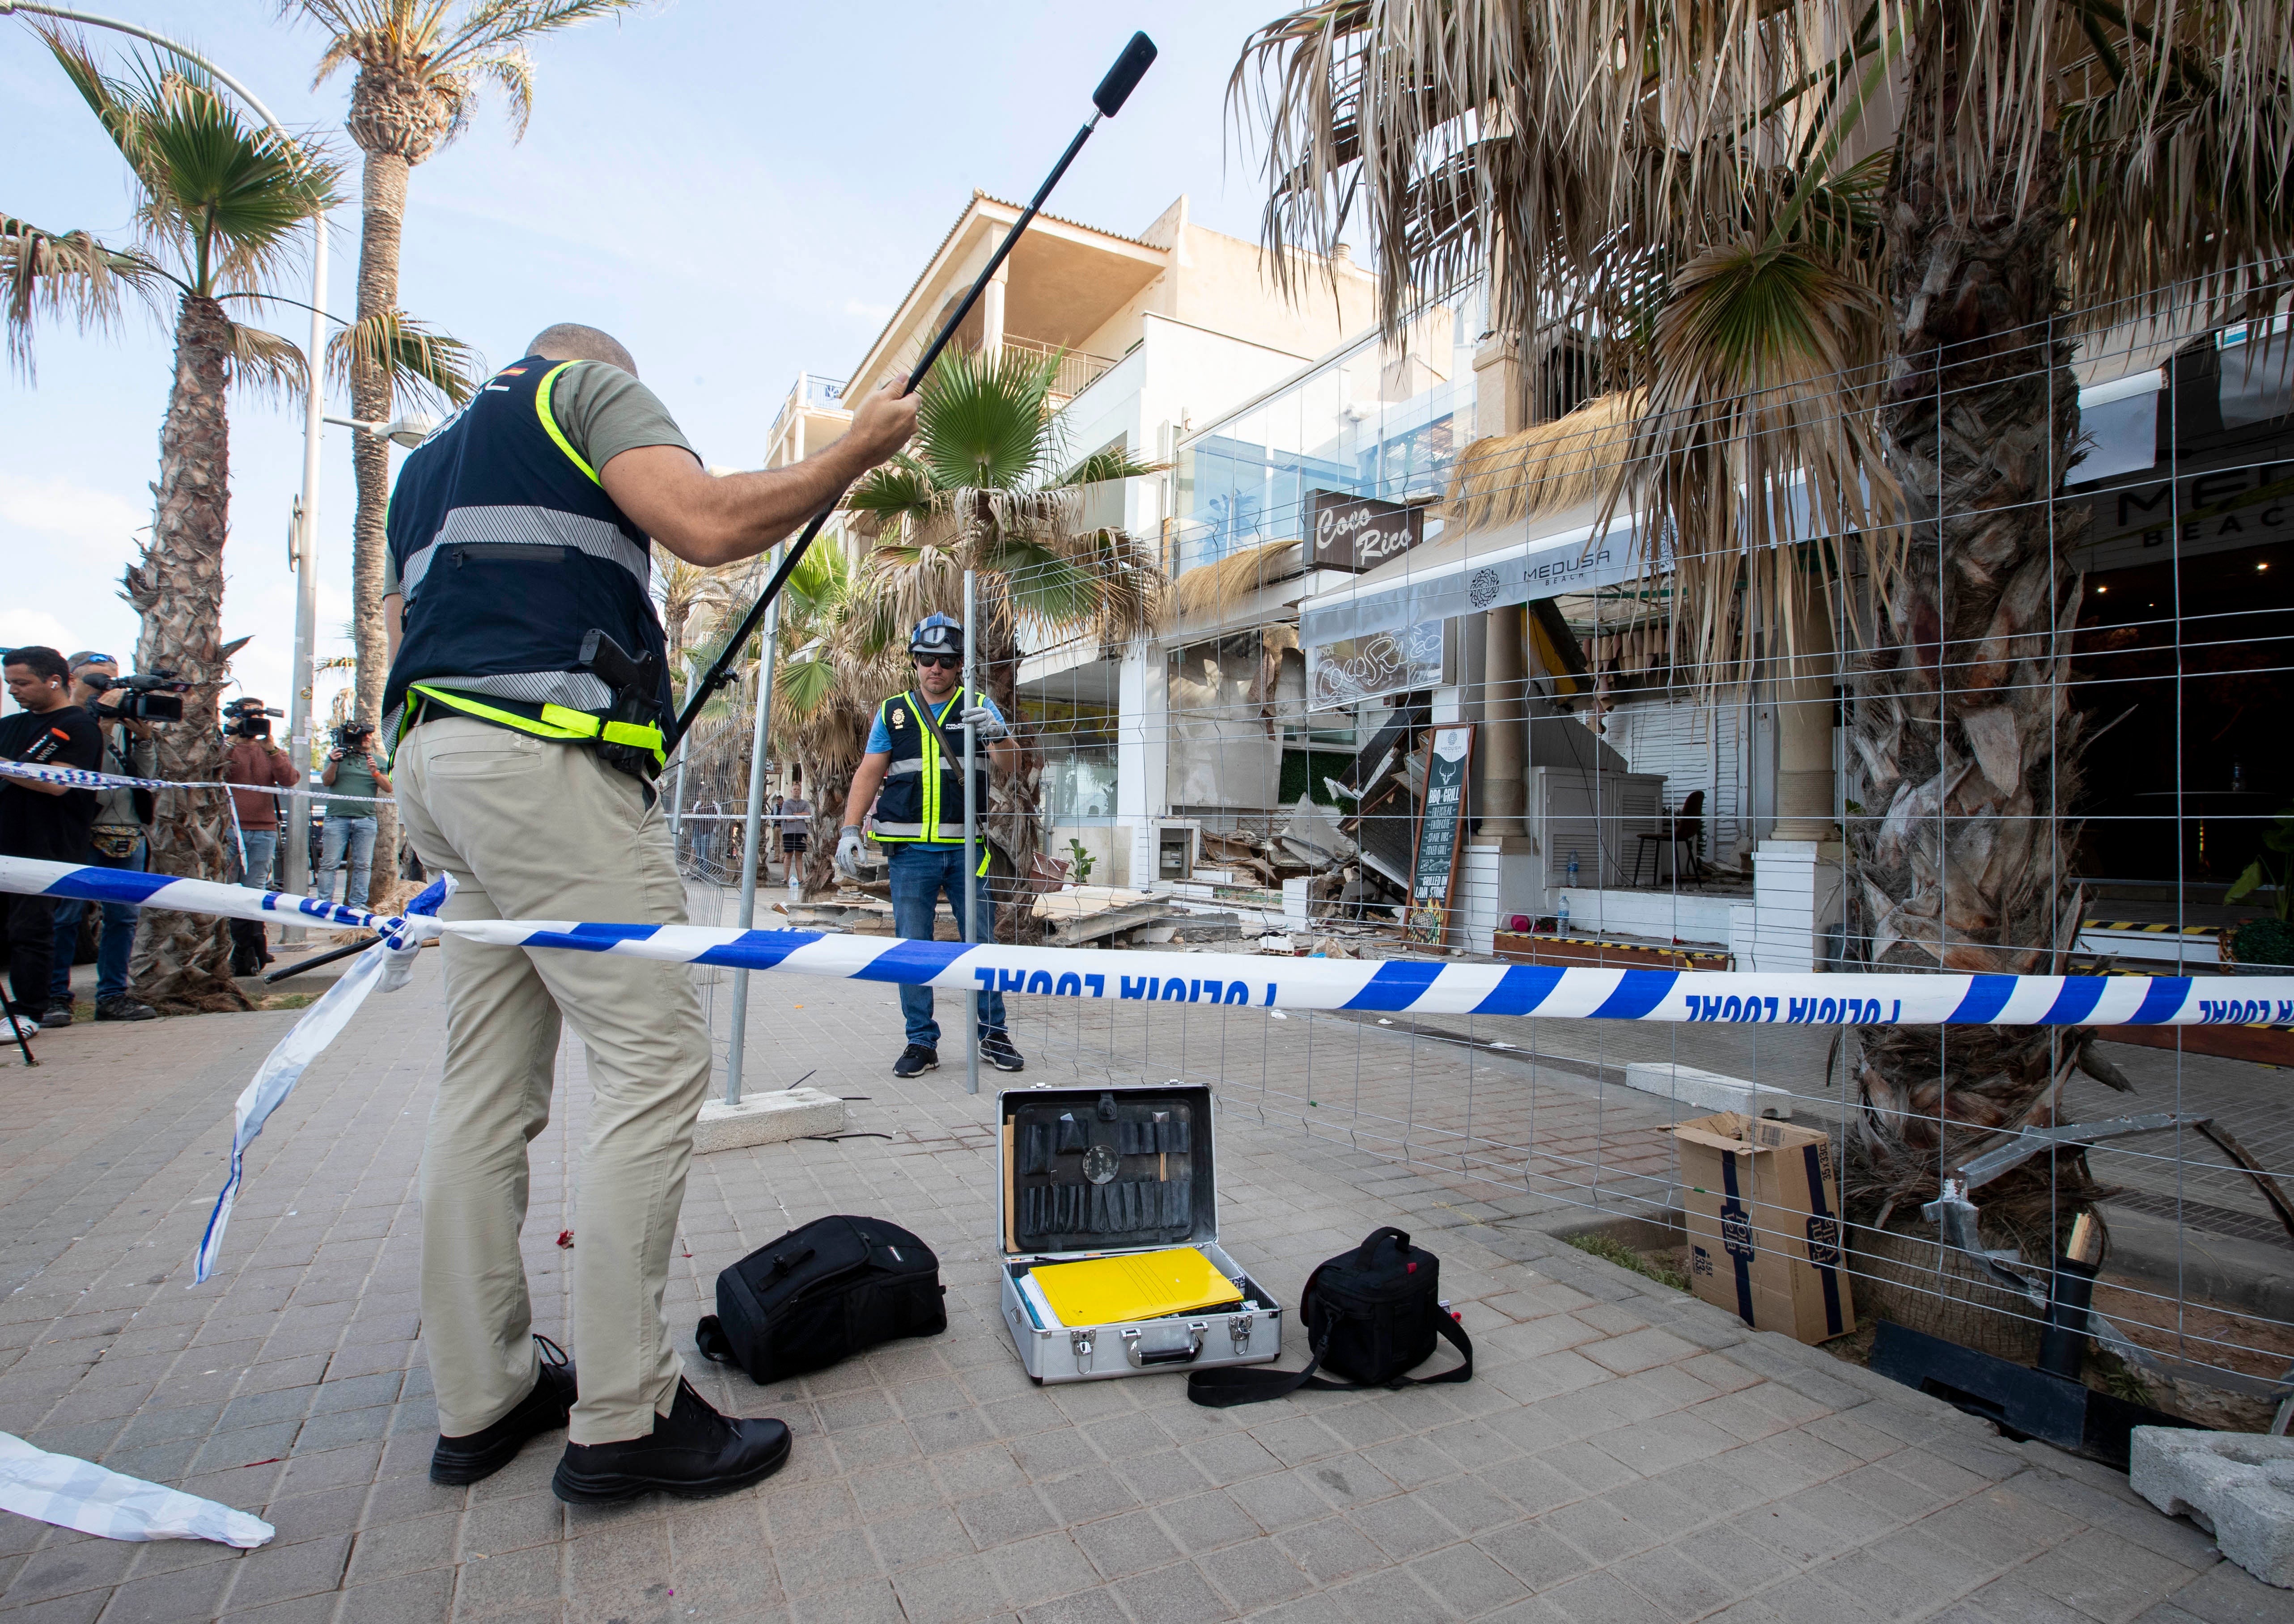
{"x": 1762, "y": 1199}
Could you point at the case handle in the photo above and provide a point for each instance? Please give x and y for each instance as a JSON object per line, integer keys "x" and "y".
{"x": 1180, "y": 1354}
{"x": 1401, "y": 1239}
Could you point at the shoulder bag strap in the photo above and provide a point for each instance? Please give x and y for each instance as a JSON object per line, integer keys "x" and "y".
{"x": 1456, "y": 1336}
{"x": 922, "y": 707}
{"x": 710, "y": 1338}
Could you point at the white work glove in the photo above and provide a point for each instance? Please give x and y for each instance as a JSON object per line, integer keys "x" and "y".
{"x": 848, "y": 852}
{"x": 986, "y": 726}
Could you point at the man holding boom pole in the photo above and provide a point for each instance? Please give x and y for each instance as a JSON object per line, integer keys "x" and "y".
{"x": 524, "y": 711}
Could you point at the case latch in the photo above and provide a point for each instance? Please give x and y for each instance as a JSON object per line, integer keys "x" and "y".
{"x": 1080, "y": 1344}
{"x": 1238, "y": 1330}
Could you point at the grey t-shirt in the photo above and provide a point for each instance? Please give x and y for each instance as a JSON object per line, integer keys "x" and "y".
{"x": 602, "y": 411}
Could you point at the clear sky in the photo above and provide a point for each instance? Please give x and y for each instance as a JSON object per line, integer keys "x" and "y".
{"x": 739, "y": 192}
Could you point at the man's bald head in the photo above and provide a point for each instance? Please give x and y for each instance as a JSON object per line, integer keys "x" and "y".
{"x": 572, "y": 341}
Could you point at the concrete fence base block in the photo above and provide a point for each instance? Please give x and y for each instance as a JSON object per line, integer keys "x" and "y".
{"x": 1708, "y": 1090}
{"x": 767, "y": 1119}
{"x": 2237, "y": 1486}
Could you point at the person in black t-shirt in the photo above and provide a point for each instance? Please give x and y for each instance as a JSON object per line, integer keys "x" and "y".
{"x": 41, "y": 820}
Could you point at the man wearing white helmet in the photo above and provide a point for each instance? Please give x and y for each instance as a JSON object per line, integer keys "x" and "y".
{"x": 915, "y": 756}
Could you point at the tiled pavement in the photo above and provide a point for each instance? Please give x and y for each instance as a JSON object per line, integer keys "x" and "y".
{"x": 1623, "y": 1453}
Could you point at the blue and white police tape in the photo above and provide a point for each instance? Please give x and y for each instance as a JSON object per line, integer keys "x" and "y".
{"x": 83, "y": 778}
{"x": 1397, "y": 985}
{"x": 1390, "y": 986}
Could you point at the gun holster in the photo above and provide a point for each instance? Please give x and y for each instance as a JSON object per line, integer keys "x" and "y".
{"x": 636, "y": 684}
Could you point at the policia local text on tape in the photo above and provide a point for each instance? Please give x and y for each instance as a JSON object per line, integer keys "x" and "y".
{"x": 523, "y": 716}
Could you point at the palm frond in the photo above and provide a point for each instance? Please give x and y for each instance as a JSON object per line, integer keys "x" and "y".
{"x": 1759, "y": 431}
{"x": 891, "y": 497}
{"x": 227, "y": 196}
{"x": 434, "y": 367}
{"x": 68, "y": 273}
{"x": 264, "y": 364}
{"x": 1110, "y": 462}
{"x": 981, "y": 420}
{"x": 491, "y": 25}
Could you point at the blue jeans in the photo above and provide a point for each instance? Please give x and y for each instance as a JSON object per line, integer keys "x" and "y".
{"x": 113, "y": 946}
{"x": 262, "y": 848}
{"x": 356, "y": 835}
{"x": 920, "y": 875}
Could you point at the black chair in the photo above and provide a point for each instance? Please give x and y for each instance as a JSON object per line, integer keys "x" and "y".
{"x": 1684, "y": 831}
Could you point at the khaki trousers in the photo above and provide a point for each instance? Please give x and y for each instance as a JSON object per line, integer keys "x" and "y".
{"x": 535, "y": 829}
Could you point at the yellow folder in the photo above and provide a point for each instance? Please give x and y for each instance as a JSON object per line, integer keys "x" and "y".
{"x": 1135, "y": 1286}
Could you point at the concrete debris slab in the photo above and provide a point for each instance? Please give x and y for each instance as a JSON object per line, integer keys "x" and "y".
{"x": 2237, "y": 1486}
{"x": 1708, "y": 1090}
{"x": 767, "y": 1119}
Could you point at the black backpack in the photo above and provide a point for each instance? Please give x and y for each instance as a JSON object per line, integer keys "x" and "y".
{"x": 835, "y": 1287}
{"x": 1371, "y": 1315}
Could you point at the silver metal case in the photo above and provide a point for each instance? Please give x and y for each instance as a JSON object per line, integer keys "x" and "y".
{"x": 1083, "y": 1353}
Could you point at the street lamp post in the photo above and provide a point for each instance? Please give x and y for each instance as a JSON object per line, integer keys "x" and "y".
{"x": 306, "y": 508}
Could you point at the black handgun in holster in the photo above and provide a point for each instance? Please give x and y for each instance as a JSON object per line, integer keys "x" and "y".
{"x": 636, "y": 684}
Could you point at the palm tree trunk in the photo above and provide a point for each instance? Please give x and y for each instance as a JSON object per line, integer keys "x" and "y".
{"x": 1965, "y": 737}
{"x": 182, "y": 960}
{"x": 382, "y": 213}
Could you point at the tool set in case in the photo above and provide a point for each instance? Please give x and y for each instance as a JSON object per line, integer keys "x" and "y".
{"x": 1128, "y": 1176}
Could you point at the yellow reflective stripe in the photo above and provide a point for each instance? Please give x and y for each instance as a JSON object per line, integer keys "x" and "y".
{"x": 508, "y": 719}
{"x": 549, "y": 423}
{"x": 555, "y": 722}
{"x": 931, "y": 769}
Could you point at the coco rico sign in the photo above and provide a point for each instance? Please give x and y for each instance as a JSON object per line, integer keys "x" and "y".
{"x": 1360, "y": 533}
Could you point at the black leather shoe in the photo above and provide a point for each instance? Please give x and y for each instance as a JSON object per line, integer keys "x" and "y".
{"x": 482, "y": 1453}
{"x": 692, "y": 1452}
{"x": 121, "y": 1007}
{"x": 57, "y": 1015}
{"x": 915, "y": 1061}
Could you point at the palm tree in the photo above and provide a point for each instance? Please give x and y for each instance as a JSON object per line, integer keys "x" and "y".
{"x": 687, "y": 590}
{"x": 1850, "y": 244}
{"x": 421, "y": 66}
{"x": 222, "y": 202}
{"x": 832, "y": 668}
{"x": 989, "y": 487}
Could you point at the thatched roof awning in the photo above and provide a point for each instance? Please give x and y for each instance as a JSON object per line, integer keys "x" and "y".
{"x": 1508, "y": 478}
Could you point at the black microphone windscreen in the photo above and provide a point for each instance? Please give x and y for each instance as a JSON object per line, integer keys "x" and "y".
{"x": 1124, "y": 77}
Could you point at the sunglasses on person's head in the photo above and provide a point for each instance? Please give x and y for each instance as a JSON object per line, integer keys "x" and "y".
{"x": 946, "y": 662}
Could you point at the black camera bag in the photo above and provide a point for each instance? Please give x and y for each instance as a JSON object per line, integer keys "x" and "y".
{"x": 823, "y": 1292}
{"x": 1371, "y": 1314}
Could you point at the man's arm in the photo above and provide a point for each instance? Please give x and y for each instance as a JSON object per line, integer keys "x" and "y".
{"x": 710, "y": 521}
{"x": 282, "y": 769}
{"x": 327, "y": 774}
{"x": 381, "y": 778}
{"x": 865, "y": 782}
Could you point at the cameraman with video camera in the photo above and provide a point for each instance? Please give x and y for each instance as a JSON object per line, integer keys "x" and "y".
{"x": 350, "y": 768}
{"x": 41, "y": 820}
{"x": 254, "y": 759}
{"x": 120, "y": 838}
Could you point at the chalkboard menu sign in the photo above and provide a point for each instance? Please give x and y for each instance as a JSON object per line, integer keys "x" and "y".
{"x": 1360, "y": 533}
{"x": 1440, "y": 831}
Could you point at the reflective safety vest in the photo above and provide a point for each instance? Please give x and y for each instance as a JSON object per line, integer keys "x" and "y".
{"x": 922, "y": 797}
{"x": 509, "y": 551}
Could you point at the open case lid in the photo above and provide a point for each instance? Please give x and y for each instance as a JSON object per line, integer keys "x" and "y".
{"x": 1106, "y": 1169}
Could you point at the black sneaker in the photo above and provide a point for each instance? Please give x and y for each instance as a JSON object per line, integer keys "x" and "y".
{"x": 996, "y": 1049}
{"x": 57, "y": 1015}
{"x": 915, "y": 1059}
{"x": 124, "y": 1007}
{"x": 692, "y": 1452}
{"x": 482, "y": 1453}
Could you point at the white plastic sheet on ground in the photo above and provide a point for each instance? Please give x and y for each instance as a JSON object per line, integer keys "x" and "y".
{"x": 74, "y": 1493}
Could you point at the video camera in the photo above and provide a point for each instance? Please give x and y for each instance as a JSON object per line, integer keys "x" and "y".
{"x": 351, "y": 738}
{"x": 154, "y": 696}
{"x": 248, "y": 719}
